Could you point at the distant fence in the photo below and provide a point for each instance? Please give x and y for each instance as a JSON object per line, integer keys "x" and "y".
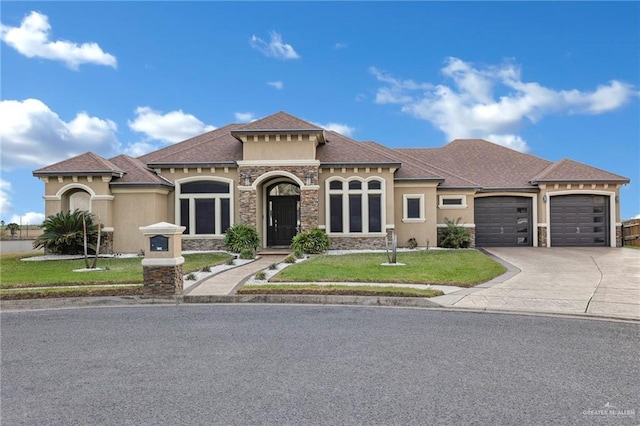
{"x": 631, "y": 232}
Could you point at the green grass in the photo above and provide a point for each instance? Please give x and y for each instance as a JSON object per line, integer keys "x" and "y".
{"x": 15, "y": 273}
{"x": 339, "y": 290}
{"x": 53, "y": 292}
{"x": 463, "y": 268}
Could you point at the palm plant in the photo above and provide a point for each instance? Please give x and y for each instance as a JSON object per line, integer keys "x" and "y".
{"x": 64, "y": 234}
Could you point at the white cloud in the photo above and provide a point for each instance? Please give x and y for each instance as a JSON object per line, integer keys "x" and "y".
{"x": 138, "y": 149}
{"x": 637, "y": 216}
{"x": 33, "y": 135}
{"x": 6, "y": 207}
{"x": 343, "y": 129}
{"x": 277, "y": 84}
{"x": 339, "y": 45}
{"x": 174, "y": 126}
{"x": 245, "y": 117}
{"x": 31, "y": 39}
{"x": 469, "y": 108}
{"x": 276, "y": 48}
{"x": 29, "y": 218}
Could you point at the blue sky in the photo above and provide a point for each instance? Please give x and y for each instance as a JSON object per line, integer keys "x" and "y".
{"x": 554, "y": 79}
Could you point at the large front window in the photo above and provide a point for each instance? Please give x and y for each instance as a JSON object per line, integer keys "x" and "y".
{"x": 204, "y": 207}
{"x": 355, "y": 206}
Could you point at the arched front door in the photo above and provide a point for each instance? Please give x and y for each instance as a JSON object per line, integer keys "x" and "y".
{"x": 283, "y": 213}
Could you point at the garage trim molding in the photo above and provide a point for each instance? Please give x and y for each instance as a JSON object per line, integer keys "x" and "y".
{"x": 612, "y": 211}
{"x": 534, "y": 207}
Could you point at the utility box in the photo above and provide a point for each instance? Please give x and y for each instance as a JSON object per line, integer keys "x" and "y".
{"x": 162, "y": 264}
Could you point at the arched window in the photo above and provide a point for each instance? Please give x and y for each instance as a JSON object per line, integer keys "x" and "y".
{"x": 355, "y": 206}
{"x": 204, "y": 207}
{"x": 80, "y": 200}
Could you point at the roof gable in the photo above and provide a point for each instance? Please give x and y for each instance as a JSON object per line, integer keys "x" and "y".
{"x": 136, "y": 173}
{"x": 567, "y": 170}
{"x": 280, "y": 121}
{"x": 340, "y": 150}
{"x": 83, "y": 164}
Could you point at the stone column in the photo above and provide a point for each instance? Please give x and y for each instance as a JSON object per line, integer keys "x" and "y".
{"x": 162, "y": 264}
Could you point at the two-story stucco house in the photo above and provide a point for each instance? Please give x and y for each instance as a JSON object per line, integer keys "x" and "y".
{"x": 284, "y": 175}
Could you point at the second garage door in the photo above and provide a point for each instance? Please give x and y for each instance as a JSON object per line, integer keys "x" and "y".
{"x": 503, "y": 221}
{"x": 579, "y": 220}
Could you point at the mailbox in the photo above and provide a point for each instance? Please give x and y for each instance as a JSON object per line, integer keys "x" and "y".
{"x": 159, "y": 243}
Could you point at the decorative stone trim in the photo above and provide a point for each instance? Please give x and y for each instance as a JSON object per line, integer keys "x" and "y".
{"x": 202, "y": 244}
{"x": 542, "y": 236}
{"x": 162, "y": 280}
{"x": 619, "y": 235}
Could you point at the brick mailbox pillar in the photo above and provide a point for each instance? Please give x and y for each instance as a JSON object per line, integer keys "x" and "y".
{"x": 162, "y": 263}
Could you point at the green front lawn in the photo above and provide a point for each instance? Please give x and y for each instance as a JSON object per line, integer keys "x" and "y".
{"x": 15, "y": 273}
{"x": 52, "y": 292}
{"x": 463, "y": 268}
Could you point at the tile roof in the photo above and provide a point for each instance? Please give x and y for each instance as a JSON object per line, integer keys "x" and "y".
{"x": 83, "y": 164}
{"x": 279, "y": 121}
{"x": 485, "y": 163}
{"x": 567, "y": 170}
{"x": 214, "y": 147}
{"x": 416, "y": 169}
{"x": 339, "y": 149}
{"x": 136, "y": 173}
{"x": 463, "y": 163}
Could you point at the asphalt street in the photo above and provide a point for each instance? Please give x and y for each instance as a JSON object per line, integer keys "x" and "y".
{"x": 306, "y": 365}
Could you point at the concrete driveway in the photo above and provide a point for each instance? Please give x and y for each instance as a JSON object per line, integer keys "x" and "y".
{"x": 596, "y": 281}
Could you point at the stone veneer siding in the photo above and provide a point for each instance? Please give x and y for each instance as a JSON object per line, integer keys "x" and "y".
{"x": 619, "y": 236}
{"x": 199, "y": 244}
{"x": 309, "y": 204}
{"x": 162, "y": 280}
{"x": 542, "y": 236}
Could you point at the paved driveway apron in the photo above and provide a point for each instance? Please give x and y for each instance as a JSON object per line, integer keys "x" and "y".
{"x": 597, "y": 281}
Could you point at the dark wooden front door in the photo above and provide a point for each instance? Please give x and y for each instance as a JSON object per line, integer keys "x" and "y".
{"x": 283, "y": 220}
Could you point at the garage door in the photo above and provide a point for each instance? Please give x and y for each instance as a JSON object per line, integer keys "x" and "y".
{"x": 503, "y": 221}
{"x": 579, "y": 220}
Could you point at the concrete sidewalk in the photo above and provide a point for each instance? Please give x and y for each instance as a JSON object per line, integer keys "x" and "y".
{"x": 225, "y": 282}
{"x": 584, "y": 280}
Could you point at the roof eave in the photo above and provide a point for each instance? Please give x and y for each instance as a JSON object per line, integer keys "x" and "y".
{"x": 143, "y": 184}
{"x": 78, "y": 173}
{"x": 548, "y": 181}
{"x": 165, "y": 165}
{"x": 360, "y": 164}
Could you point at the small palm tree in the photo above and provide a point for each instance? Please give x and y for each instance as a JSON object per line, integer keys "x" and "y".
{"x": 64, "y": 234}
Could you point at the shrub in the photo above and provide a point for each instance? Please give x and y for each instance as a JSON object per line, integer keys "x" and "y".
{"x": 206, "y": 269}
{"x": 240, "y": 237}
{"x": 273, "y": 266}
{"x": 63, "y": 233}
{"x": 313, "y": 241}
{"x": 290, "y": 259}
{"x": 247, "y": 253}
{"x": 231, "y": 261}
{"x": 454, "y": 235}
{"x": 191, "y": 277}
{"x": 298, "y": 254}
{"x": 412, "y": 243}
{"x": 261, "y": 275}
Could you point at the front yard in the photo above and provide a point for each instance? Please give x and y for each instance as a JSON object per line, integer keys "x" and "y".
{"x": 123, "y": 276}
{"x": 462, "y": 268}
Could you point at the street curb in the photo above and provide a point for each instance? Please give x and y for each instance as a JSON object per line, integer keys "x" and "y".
{"x": 314, "y": 299}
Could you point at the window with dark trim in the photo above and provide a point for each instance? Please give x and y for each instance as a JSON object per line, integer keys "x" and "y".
{"x": 205, "y": 207}
{"x": 355, "y": 206}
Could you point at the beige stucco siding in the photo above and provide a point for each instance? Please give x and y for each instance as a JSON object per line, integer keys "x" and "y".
{"x": 134, "y": 208}
{"x": 464, "y": 212}
{"x": 279, "y": 149}
{"x": 424, "y": 229}
{"x": 58, "y": 191}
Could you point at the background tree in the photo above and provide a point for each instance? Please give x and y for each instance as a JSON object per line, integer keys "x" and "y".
{"x": 63, "y": 233}
{"x": 13, "y": 228}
